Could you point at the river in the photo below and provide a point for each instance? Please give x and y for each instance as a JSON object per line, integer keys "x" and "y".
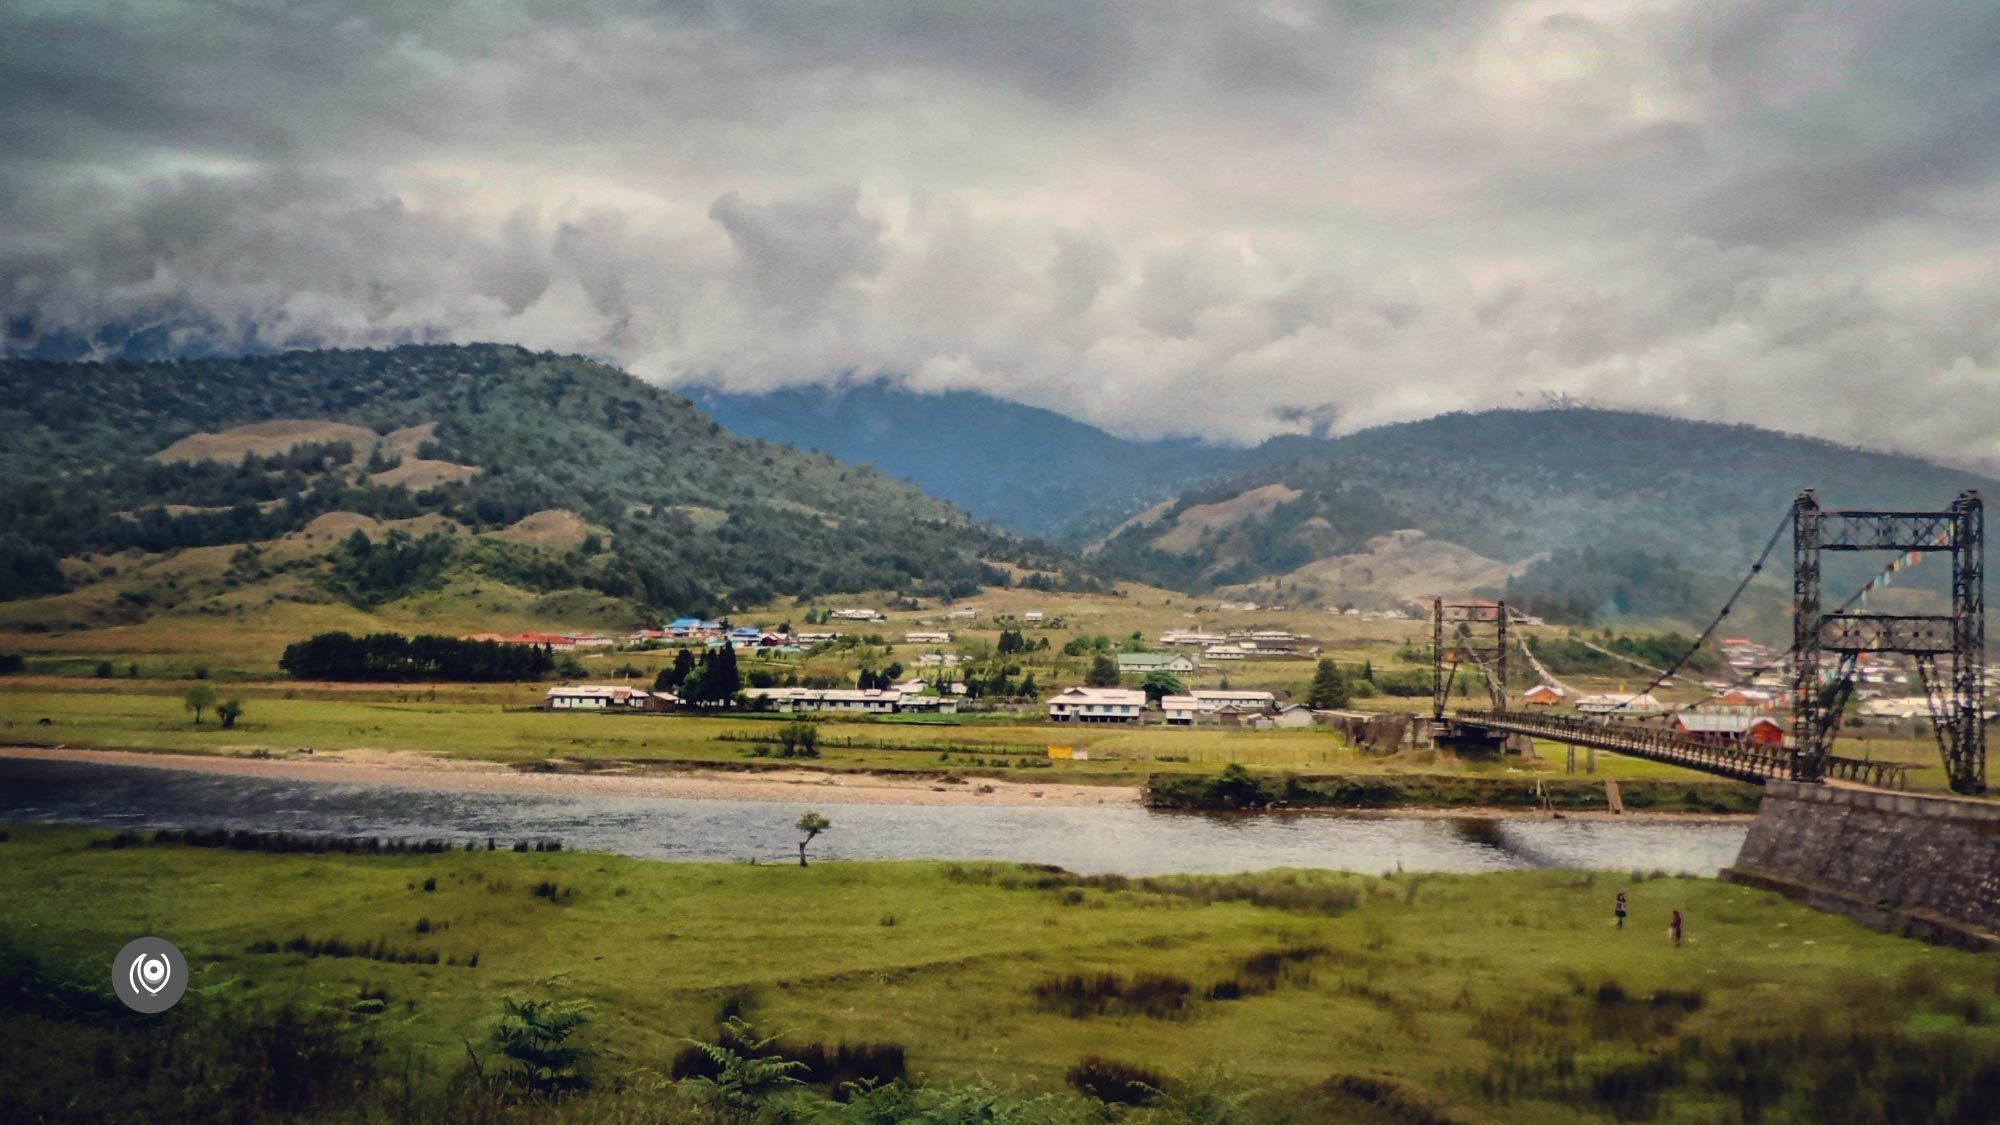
{"x": 1126, "y": 840}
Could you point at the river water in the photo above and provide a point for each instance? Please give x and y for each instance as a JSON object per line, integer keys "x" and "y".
{"x": 1090, "y": 839}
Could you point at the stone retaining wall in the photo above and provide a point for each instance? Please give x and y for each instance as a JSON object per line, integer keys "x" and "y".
{"x": 1928, "y": 867}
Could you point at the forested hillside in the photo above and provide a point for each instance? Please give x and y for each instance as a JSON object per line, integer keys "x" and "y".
{"x": 682, "y": 515}
{"x": 1597, "y": 513}
{"x": 1026, "y": 469}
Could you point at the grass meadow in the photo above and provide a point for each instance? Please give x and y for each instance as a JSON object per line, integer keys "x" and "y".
{"x": 1289, "y": 995}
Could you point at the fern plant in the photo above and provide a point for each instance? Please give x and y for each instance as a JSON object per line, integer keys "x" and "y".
{"x": 746, "y": 1080}
{"x": 535, "y": 1035}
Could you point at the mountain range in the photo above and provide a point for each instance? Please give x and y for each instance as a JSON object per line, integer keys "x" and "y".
{"x": 543, "y": 473}
{"x": 578, "y": 487}
{"x": 1583, "y": 512}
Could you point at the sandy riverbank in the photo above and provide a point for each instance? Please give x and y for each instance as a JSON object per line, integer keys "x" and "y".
{"x": 408, "y": 767}
{"x": 414, "y": 768}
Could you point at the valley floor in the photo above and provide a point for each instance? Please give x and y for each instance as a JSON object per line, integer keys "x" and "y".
{"x": 1300, "y": 995}
{"x": 480, "y": 736}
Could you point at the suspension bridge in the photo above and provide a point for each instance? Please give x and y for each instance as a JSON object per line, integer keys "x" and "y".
{"x": 1948, "y": 651}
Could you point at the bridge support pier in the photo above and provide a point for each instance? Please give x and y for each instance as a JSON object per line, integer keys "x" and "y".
{"x": 1926, "y": 867}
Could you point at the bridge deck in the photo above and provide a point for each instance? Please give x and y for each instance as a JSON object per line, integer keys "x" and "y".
{"x": 1744, "y": 762}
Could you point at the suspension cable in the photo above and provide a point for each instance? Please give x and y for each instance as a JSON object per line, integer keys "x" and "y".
{"x": 1792, "y": 653}
{"x": 1756, "y": 568}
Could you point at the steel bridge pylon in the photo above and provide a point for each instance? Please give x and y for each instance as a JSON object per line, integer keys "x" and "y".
{"x": 1957, "y": 692}
{"x": 1480, "y": 639}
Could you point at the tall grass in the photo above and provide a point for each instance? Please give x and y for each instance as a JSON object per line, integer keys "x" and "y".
{"x": 1288, "y": 891}
{"x": 286, "y": 843}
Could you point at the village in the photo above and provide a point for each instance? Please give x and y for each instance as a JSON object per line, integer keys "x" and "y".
{"x": 1180, "y": 678}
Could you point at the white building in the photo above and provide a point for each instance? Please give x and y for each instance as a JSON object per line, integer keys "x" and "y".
{"x": 1643, "y": 704}
{"x": 780, "y": 698}
{"x": 935, "y": 638}
{"x": 597, "y": 697}
{"x": 1032, "y": 615}
{"x": 856, "y": 614}
{"x": 849, "y": 701}
{"x": 865, "y": 702}
{"x": 1097, "y": 705}
{"x": 1293, "y": 716}
{"x": 1179, "y": 709}
{"x": 1209, "y": 702}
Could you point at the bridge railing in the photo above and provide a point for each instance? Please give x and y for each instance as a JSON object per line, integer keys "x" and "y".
{"x": 1735, "y": 760}
{"x": 1662, "y": 745}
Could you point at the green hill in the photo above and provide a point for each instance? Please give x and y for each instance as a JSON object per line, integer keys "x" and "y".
{"x": 1580, "y": 513}
{"x": 550, "y": 474}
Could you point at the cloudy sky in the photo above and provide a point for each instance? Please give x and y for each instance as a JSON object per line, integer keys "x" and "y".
{"x": 1213, "y": 217}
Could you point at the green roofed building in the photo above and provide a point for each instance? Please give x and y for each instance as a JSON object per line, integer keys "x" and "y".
{"x": 1140, "y": 663}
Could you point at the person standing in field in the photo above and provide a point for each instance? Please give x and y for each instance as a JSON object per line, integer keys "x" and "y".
{"x": 1674, "y": 928}
{"x": 1618, "y": 909}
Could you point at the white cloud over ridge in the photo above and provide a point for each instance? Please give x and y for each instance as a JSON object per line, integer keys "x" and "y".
{"x": 1222, "y": 219}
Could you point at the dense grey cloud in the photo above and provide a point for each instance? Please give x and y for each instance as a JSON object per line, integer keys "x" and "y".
{"x": 1211, "y": 217}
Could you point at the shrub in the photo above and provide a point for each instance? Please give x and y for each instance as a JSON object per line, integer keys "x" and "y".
{"x": 1114, "y": 1083}
{"x": 1156, "y": 995}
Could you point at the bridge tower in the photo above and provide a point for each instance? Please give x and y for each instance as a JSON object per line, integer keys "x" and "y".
{"x": 1957, "y": 692}
{"x": 1479, "y": 638}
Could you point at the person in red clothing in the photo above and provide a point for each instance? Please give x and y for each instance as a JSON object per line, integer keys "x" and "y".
{"x": 1674, "y": 928}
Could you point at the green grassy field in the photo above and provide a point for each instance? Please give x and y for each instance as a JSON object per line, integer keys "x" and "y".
{"x": 476, "y": 723}
{"x": 1508, "y": 996}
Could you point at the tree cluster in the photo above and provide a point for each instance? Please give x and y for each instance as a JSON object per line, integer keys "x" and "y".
{"x": 394, "y": 657}
{"x": 712, "y": 681}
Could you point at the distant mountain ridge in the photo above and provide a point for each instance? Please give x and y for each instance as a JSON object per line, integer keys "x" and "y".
{"x": 1590, "y": 512}
{"x": 1030, "y": 470}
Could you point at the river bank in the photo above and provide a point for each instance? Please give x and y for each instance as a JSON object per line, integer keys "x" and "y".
{"x": 1397, "y": 796}
{"x": 637, "y": 779}
{"x": 1512, "y": 793}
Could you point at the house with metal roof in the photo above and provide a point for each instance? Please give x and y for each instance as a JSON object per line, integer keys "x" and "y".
{"x": 1140, "y": 663}
{"x": 1731, "y": 726}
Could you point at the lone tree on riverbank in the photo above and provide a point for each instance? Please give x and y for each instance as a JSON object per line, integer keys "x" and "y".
{"x": 200, "y": 697}
{"x": 812, "y": 824}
